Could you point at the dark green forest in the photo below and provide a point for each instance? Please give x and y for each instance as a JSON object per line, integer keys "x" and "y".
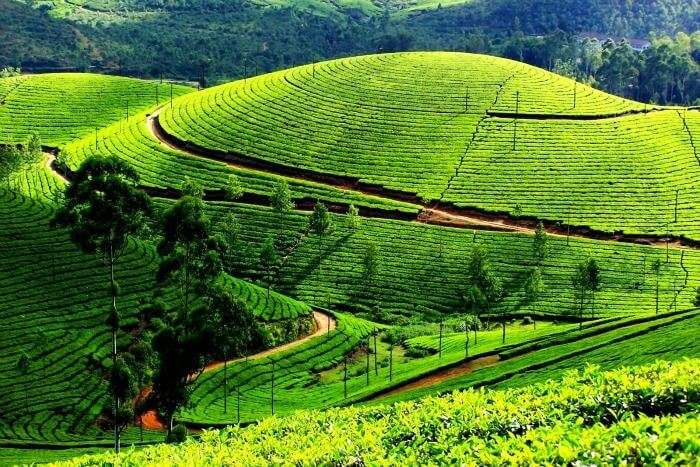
{"x": 643, "y": 50}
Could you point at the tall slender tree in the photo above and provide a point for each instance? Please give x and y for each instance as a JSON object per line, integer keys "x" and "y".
{"x": 103, "y": 208}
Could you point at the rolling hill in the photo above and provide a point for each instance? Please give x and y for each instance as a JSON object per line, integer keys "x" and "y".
{"x": 423, "y": 144}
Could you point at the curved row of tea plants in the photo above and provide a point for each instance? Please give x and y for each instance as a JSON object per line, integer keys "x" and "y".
{"x": 627, "y": 343}
{"x": 161, "y": 166}
{"x": 53, "y": 304}
{"x": 60, "y": 107}
{"x": 422, "y": 268}
{"x": 560, "y": 421}
{"x": 418, "y": 123}
{"x": 313, "y": 377}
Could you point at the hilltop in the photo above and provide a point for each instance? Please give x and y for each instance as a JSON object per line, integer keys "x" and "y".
{"x": 446, "y": 156}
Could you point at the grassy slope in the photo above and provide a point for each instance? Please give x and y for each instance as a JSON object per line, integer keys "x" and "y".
{"x": 60, "y": 107}
{"x": 53, "y": 303}
{"x": 421, "y": 267}
{"x": 558, "y": 422}
{"x": 671, "y": 338}
{"x": 160, "y": 166}
{"x": 399, "y": 121}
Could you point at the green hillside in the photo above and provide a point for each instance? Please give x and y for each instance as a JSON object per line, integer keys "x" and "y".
{"x": 441, "y": 125}
{"x": 62, "y": 107}
{"x": 640, "y": 415}
{"x": 422, "y": 144}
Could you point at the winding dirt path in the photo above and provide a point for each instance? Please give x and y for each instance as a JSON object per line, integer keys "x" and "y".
{"x": 324, "y": 323}
{"x": 434, "y": 212}
{"x": 463, "y": 368}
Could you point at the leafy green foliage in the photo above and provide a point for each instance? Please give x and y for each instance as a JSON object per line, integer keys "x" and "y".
{"x": 608, "y": 414}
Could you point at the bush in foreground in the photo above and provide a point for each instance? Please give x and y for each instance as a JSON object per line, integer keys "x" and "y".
{"x": 641, "y": 415}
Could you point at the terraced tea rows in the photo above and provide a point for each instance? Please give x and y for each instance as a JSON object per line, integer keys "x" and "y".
{"x": 419, "y": 123}
{"x": 164, "y": 167}
{"x": 61, "y": 107}
{"x": 624, "y": 174}
{"x": 422, "y": 268}
{"x": 313, "y": 376}
{"x": 53, "y": 305}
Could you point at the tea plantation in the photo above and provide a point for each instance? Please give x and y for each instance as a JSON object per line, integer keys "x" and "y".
{"x": 445, "y": 155}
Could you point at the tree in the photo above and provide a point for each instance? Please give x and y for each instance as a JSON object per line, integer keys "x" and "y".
{"x": 233, "y": 189}
{"x": 656, "y": 269}
{"x": 586, "y": 279}
{"x": 370, "y": 263}
{"x": 102, "y": 208}
{"x": 10, "y": 162}
{"x": 192, "y": 188}
{"x": 190, "y": 255}
{"x": 534, "y": 286}
{"x": 33, "y": 148}
{"x": 231, "y": 323}
{"x": 269, "y": 261}
{"x": 539, "y": 244}
{"x": 483, "y": 288}
{"x": 352, "y": 218}
{"x": 231, "y": 234}
{"x": 181, "y": 351}
{"x": 578, "y": 281}
{"x": 282, "y": 198}
{"x": 696, "y": 300}
{"x": 320, "y": 221}
{"x": 592, "y": 281}
{"x": 23, "y": 364}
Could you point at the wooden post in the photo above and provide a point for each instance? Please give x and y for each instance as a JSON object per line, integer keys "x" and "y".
{"x": 391, "y": 362}
{"x": 466, "y": 100}
{"x": 675, "y": 209}
{"x": 272, "y": 389}
{"x": 440, "y": 341}
{"x": 367, "y": 363}
{"x": 376, "y": 371}
{"x": 466, "y": 339}
{"x": 345, "y": 377}
{"x": 515, "y": 120}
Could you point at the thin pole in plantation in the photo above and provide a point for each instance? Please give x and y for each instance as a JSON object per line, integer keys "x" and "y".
{"x": 466, "y": 101}
{"x": 127, "y": 111}
{"x": 376, "y": 371}
{"x": 238, "y": 404}
{"x": 367, "y": 363}
{"x": 440, "y": 341}
{"x": 95, "y": 138}
{"x": 667, "y": 241}
{"x": 568, "y": 224}
{"x": 675, "y": 209}
{"x": 272, "y": 389}
{"x": 391, "y": 362}
{"x": 328, "y": 325}
{"x": 515, "y": 120}
{"x": 575, "y": 87}
{"x": 171, "y": 95}
{"x": 157, "y": 95}
{"x": 345, "y": 377}
{"x": 466, "y": 339}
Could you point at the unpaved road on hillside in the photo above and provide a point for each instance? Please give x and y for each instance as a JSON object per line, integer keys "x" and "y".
{"x": 324, "y": 323}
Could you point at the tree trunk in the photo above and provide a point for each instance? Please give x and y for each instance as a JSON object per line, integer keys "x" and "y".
{"x": 115, "y": 404}
{"x": 225, "y": 383}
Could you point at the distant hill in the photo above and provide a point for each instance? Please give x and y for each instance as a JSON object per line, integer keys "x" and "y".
{"x": 189, "y": 38}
